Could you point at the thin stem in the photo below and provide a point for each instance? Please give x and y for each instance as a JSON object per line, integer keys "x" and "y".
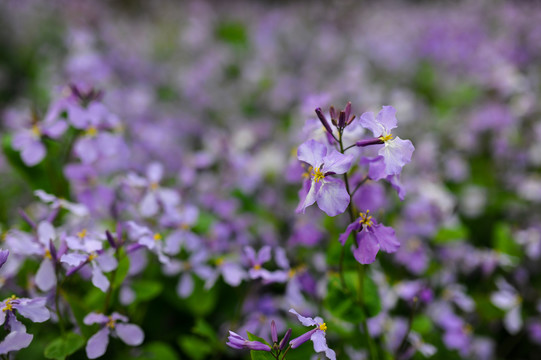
{"x": 285, "y": 352}
{"x": 403, "y": 343}
{"x": 349, "y": 147}
{"x": 359, "y": 185}
{"x": 111, "y": 285}
{"x": 57, "y": 302}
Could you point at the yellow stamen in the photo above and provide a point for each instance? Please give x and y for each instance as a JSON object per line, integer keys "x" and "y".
{"x": 318, "y": 175}
{"x": 92, "y": 256}
{"x": 386, "y": 137}
{"x": 184, "y": 226}
{"x": 111, "y": 323}
{"x": 219, "y": 261}
{"x": 154, "y": 186}
{"x": 82, "y": 233}
{"x": 36, "y": 130}
{"x": 157, "y": 237}
{"x": 9, "y": 305}
{"x": 366, "y": 219}
{"x": 291, "y": 273}
{"x": 91, "y": 131}
{"x": 257, "y": 267}
{"x": 323, "y": 327}
{"x": 47, "y": 254}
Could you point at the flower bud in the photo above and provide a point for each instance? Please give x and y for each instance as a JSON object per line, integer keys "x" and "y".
{"x": 285, "y": 339}
{"x": 274, "y": 333}
{"x": 323, "y": 120}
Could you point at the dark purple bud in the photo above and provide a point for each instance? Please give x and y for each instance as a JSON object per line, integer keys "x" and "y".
{"x": 257, "y": 346}
{"x": 274, "y": 332}
{"x": 3, "y": 257}
{"x": 298, "y": 341}
{"x": 52, "y": 215}
{"x": 347, "y": 110}
{"x": 323, "y": 120}
{"x": 26, "y": 218}
{"x": 285, "y": 339}
{"x": 332, "y": 111}
{"x": 52, "y": 250}
{"x": 350, "y": 119}
{"x": 238, "y": 342}
{"x": 75, "y": 91}
{"x": 368, "y": 142}
{"x": 110, "y": 239}
{"x": 342, "y": 120}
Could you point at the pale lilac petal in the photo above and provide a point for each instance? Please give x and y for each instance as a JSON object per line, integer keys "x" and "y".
{"x": 85, "y": 148}
{"x": 333, "y": 197}
{"x": 45, "y": 197}
{"x": 33, "y": 153}
{"x": 94, "y": 318}
{"x": 397, "y": 153}
{"x": 149, "y": 205}
{"x": 45, "y": 232}
{"x": 99, "y": 280}
{"x": 46, "y": 277}
{"x": 336, "y": 162}
{"x": 367, "y": 249}
{"x": 203, "y": 271}
{"x": 168, "y": 197}
{"x": 318, "y": 338}
{"x": 119, "y": 317}
{"x": 97, "y": 344}
{"x": 264, "y": 254}
{"x": 250, "y": 254}
{"x": 33, "y": 309}
{"x": 233, "y": 274}
{"x": 131, "y": 334}
{"x": 356, "y": 225}
{"x": 368, "y": 121}
{"x": 56, "y": 129}
{"x": 387, "y": 118}
{"x": 73, "y": 259}
{"x": 185, "y": 286}
{"x": 173, "y": 242}
{"x": 281, "y": 259}
{"x": 306, "y": 321}
{"x": 16, "y": 340}
{"x": 513, "y": 320}
{"x": 107, "y": 262}
{"x": 504, "y": 300}
{"x": 312, "y": 152}
{"x": 154, "y": 172}
{"x": 2, "y": 313}
{"x": 386, "y": 238}
{"x": 307, "y": 195}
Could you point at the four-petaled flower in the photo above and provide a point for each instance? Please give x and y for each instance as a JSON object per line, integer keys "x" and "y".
{"x": 317, "y": 335}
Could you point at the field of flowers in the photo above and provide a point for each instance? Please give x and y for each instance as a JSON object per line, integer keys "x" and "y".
{"x": 270, "y": 180}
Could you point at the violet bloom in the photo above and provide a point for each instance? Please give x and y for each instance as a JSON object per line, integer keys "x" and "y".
{"x": 317, "y": 335}
{"x": 329, "y": 193}
{"x": 115, "y": 325}
{"x": 371, "y": 237}
{"x": 18, "y": 338}
{"x": 28, "y": 141}
{"x": 397, "y": 152}
{"x": 58, "y": 203}
{"x": 155, "y": 195}
{"x": 145, "y": 237}
{"x": 256, "y": 260}
{"x": 196, "y": 264}
{"x": 508, "y": 299}
{"x": 88, "y": 250}
{"x": 238, "y": 342}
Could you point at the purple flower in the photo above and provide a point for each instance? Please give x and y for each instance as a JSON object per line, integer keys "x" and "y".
{"x": 329, "y": 193}
{"x": 145, "y": 237}
{"x": 256, "y": 260}
{"x": 57, "y": 203}
{"x": 115, "y": 325}
{"x": 238, "y": 342}
{"x": 196, "y": 264}
{"x": 396, "y": 152}
{"x": 508, "y": 299}
{"x": 371, "y": 237}
{"x": 317, "y": 335}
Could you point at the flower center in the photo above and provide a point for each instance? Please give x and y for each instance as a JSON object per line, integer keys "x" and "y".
{"x": 91, "y": 131}
{"x": 154, "y": 186}
{"x": 257, "y": 267}
{"x": 318, "y": 175}
{"x": 81, "y": 234}
{"x": 366, "y": 219}
{"x": 157, "y": 237}
{"x": 111, "y": 323}
{"x": 386, "y": 137}
{"x": 323, "y": 327}
{"x": 92, "y": 256}
{"x": 47, "y": 254}
{"x": 9, "y": 305}
{"x": 36, "y": 131}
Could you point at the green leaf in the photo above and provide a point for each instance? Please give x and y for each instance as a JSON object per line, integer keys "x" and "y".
{"x": 422, "y": 324}
{"x": 448, "y": 235}
{"x": 233, "y": 33}
{"x": 121, "y": 271}
{"x": 252, "y": 337}
{"x": 371, "y": 297}
{"x": 503, "y": 240}
{"x": 202, "y": 328}
{"x": 146, "y": 290}
{"x": 341, "y": 303}
{"x": 64, "y": 346}
{"x": 261, "y": 355}
{"x": 202, "y": 301}
{"x": 195, "y": 347}
{"x": 158, "y": 351}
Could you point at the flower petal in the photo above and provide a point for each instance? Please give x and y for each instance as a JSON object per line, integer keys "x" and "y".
{"x": 131, "y": 334}
{"x": 367, "y": 249}
{"x": 312, "y": 152}
{"x": 333, "y": 197}
{"x": 97, "y": 344}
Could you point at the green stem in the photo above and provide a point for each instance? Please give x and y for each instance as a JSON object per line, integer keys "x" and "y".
{"x": 403, "y": 344}
{"x": 57, "y": 302}
{"x": 285, "y": 352}
{"x": 111, "y": 285}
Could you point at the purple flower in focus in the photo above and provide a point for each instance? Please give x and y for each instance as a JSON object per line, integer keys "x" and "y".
{"x": 371, "y": 237}
{"x": 396, "y": 152}
{"x": 317, "y": 335}
{"x": 238, "y": 342}
{"x": 18, "y": 338}
{"x": 115, "y": 325}
{"x": 329, "y": 193}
